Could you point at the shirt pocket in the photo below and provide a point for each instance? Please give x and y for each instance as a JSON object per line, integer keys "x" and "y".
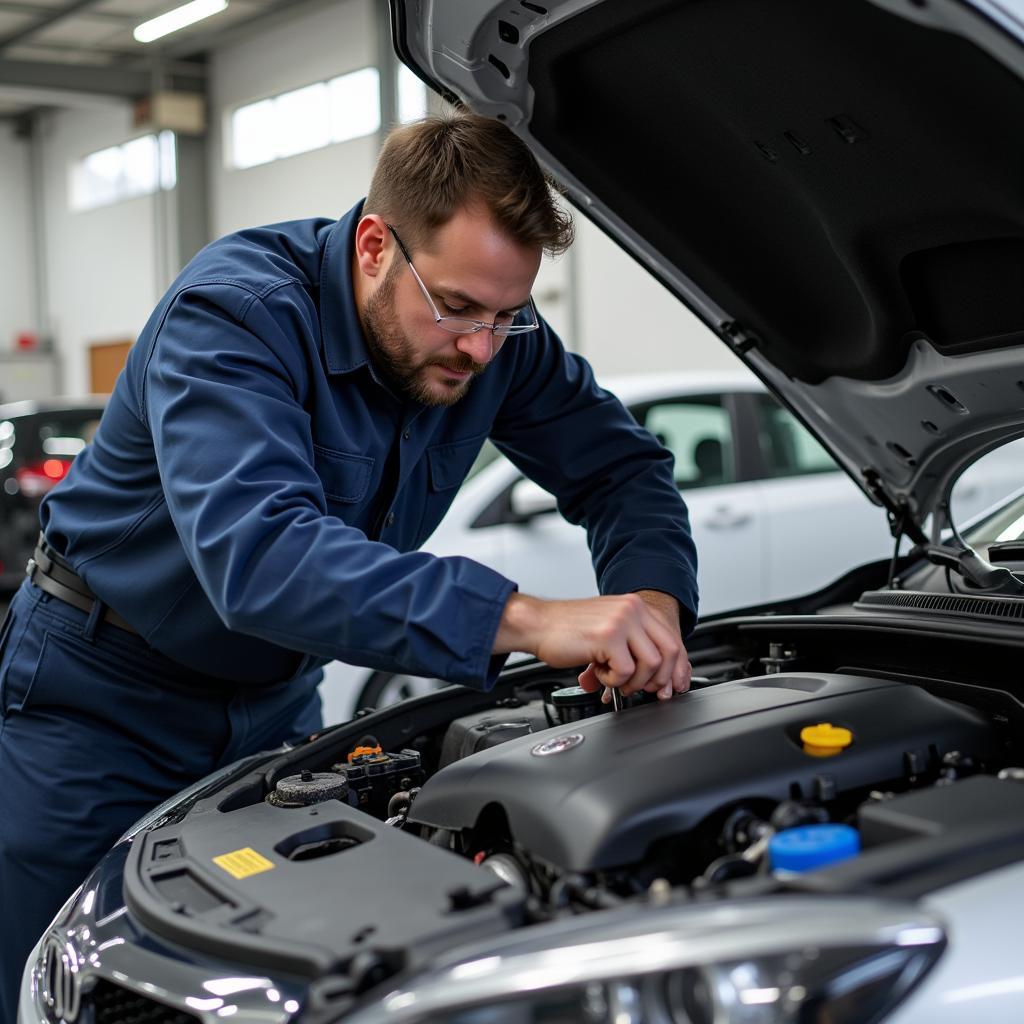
{"x": 450, "y": 462}
{"x": 345, "y": 477}
{"x": 447, "y": 466}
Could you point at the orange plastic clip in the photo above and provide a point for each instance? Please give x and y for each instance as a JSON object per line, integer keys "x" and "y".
{"x": 363, "y": 751}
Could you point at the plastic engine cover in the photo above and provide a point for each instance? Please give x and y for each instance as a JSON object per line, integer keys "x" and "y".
{"x": 597, "y": 793}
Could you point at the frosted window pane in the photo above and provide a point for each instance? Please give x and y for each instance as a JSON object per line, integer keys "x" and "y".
{"x": 355, "y": 105}
{"x": 94, "y": 180}
{"x": 412, "y": 96}
{"x": 168, "y": 160}
{"x": 303, "y": 121}
{"x": 78, "y": 187}
{"x": 140, "y": 167}
{"x": 344, "y": 108}
{"x": 104, "y": 165}
{"x": 252, "y": 134}
{"x": 122, "y": 172}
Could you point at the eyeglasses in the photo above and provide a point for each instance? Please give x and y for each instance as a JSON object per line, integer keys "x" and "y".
{"x": 503, "y": 326}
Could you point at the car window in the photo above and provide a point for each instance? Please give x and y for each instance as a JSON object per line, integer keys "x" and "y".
{"x": 63, "y": 434}
{"x": 38, "y": 449}
{"x": 786, "y": 446}
{"x": 698, "y": 432}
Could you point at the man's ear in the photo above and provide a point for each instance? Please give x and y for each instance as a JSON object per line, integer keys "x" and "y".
{"x": 373, "y": 248}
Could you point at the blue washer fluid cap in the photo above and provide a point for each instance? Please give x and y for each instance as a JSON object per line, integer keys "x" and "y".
{"x": 812, "y": 846}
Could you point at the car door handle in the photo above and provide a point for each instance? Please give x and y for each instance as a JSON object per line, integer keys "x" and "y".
{"x": 726, "y": 519}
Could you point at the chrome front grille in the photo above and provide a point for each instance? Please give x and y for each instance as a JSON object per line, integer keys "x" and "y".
{"x": 109, "y": 1003}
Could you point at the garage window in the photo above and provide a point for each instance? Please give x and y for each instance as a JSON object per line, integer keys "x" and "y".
{"x": 136, "y": 168}
{"x": 412, "y": 96}
{"x": 301, "y": 120}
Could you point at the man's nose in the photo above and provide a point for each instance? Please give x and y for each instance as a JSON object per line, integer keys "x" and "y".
{"x": 478, "y": 345}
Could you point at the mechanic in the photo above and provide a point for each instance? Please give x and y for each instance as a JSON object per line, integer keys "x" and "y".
{"x": 292, "y": 424}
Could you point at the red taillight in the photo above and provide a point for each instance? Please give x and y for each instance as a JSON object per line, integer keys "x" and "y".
{"x": 37, "y": 478}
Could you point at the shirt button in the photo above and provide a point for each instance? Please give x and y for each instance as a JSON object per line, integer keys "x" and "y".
{"x": 407, "y": 435}
{"x": 390, "y": 521}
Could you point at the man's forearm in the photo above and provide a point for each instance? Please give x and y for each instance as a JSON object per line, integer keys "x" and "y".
{"x": 662, "y": 602}
{"x": 630, "y": 641}
{"x": 524, "y": 618}
{"x": 519, "y": 626}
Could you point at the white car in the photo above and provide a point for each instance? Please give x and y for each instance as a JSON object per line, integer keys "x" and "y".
{"x": 772, "y": 514}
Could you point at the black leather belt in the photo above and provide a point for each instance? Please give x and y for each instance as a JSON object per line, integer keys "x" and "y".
{"x": 51, "y": 574}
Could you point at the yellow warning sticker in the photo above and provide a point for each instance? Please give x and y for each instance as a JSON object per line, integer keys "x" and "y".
{"x": 243, "y": 863}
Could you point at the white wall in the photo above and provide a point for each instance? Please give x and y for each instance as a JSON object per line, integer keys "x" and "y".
{"x": 323, "y": 183}
{"x": 105, "y": 272}
{"x": 101, "y": 264}
{"x": 17, "y": 252}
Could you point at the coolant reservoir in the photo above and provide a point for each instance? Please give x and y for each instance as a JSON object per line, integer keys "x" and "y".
{"x": 812, "y": 846}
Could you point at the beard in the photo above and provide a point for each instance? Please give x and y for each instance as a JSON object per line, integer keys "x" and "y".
{"x": 394, "y": 353}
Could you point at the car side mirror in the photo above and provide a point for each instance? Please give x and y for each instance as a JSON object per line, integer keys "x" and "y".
{"x": 528, "y": 500}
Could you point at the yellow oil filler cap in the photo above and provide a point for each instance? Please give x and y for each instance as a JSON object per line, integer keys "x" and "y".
{"x": 825, "y": 739}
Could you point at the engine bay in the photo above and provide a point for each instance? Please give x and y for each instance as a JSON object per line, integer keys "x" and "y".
{"x": 462, "y": 815}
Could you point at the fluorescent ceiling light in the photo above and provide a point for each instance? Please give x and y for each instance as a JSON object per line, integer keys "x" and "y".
{"x": 187, "y": 14}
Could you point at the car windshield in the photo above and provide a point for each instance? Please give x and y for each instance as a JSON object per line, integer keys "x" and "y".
{"x": 1005, "y": 525}
{"x": 986, "y": 484}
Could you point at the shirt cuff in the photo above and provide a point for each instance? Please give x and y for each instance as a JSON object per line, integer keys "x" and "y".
{"x": 673, "y": 578}
{"x": 483, "y": 594}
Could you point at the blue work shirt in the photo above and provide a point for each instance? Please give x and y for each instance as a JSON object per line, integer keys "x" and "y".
{"x": 230, "y": 506}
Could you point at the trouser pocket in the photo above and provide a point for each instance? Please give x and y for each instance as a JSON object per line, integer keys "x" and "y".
{"x": 18, "y": 654}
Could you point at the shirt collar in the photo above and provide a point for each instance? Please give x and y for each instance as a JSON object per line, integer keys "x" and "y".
{"x": 340, "y": 327}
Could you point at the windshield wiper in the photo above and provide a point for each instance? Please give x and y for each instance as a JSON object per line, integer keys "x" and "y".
{"x": 975, "y": 571}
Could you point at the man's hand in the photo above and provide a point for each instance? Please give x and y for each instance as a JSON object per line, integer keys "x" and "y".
{"x": 667, "y": 607}
{"x": 631, "y": 642}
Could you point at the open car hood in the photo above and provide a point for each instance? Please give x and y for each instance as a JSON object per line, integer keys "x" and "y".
{"x": 836, "y": 189}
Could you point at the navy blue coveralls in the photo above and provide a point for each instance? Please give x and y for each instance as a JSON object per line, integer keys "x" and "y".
{"x": 234, "y": 508}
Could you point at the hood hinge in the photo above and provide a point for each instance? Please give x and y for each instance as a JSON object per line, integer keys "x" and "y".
{"x": 901, "y": 521}
{"x": 738, "y": 337}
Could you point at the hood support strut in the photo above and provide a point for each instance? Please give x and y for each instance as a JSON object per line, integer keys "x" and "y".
{"x": 901, "y": 520}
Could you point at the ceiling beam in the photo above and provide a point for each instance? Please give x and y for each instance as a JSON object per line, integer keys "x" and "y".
{"x": 14, "y": 7}
{"x": 129, "y": 60}
{"x": 100, "y": 81}
{"x": 51, "y": 17}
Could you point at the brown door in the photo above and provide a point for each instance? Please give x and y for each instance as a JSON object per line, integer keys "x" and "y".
{"x": 106, "y": 361}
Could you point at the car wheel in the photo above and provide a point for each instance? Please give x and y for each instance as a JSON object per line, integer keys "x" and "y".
{"x": 384, "y": 688}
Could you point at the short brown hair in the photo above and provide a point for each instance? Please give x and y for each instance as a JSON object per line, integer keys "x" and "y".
{"x": 431, "y": 168}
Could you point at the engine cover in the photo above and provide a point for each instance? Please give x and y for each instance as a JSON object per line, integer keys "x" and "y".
{"x": 596, "y": 794}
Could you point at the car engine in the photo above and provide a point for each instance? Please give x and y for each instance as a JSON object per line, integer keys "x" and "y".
{"x": 663, "y": 791}
{"x": 363, "y": 855}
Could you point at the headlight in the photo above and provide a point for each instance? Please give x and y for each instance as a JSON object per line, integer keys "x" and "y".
{"x": 767, "y": 961}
